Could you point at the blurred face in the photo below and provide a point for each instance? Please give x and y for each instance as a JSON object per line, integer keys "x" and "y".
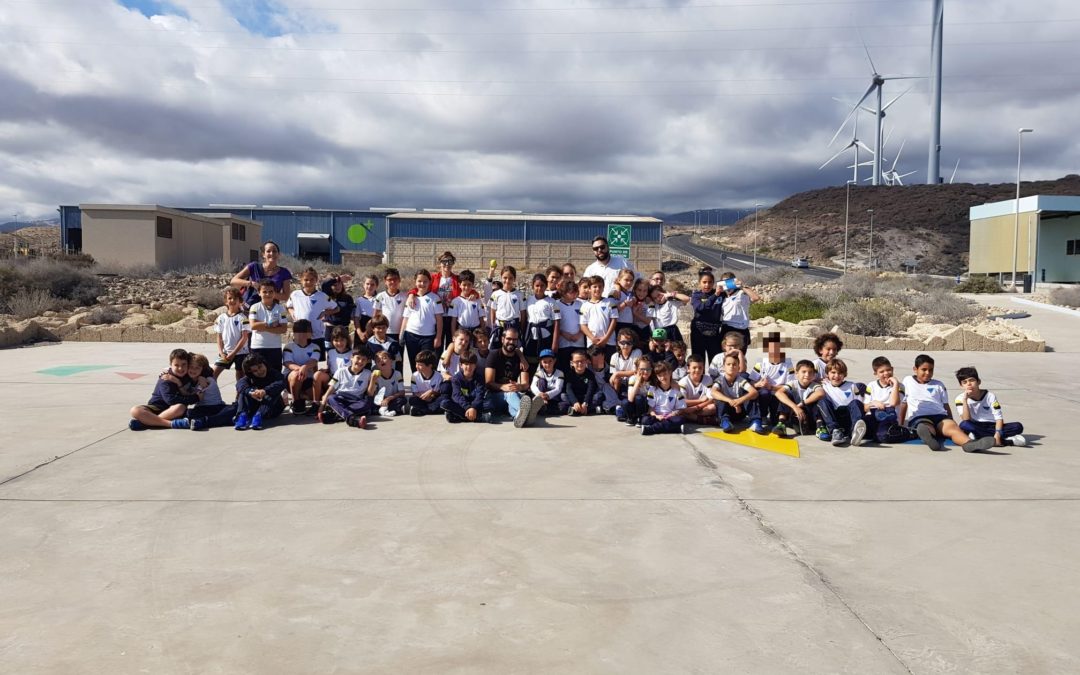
{"x": 548, "y": 364}
{"x": 883, "y": 373}
{"x": 422, "y": 284}
{"x": 357, "y": 363}
{"x": 828, "y": 351}
{"x": 393, "y": 284}
{"x": 553, "y": 279}
{"x": 568, "y": 273}
{"x": 657, "y": 279}
{"x": 468, "y": 370}
{"x": 570, "y": 295}
{"x": 970, "y": 385}
{"x": 340, "y": 343}
{"x": 337, "y": 287}
{"x": 179, "y": 367}
{"x": 706, "y": 283}
{"x": 776, "y": 350}
{"x": 539, "y": 287}
{"x": 259, "y": 370}
{"x": 696, "y": 371}
{"x": 835, "y": 376}
{"x": 266, "y": 294}
{"x": 307, "y": 282}
{"x": 370, "y": 287}
{"x": 805, "y": 375}
{"x": 302, "y": 338}
{"x": 924, "y": 373}
{"x": 597, "y": 361}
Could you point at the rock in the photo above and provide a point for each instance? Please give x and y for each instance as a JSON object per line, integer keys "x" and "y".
{"x": 80, "y": 319}
{"x": 157, "y": 305}
{"x": 934, "y": 343}
{"x": 135, "y": 320}
{"x": 851, "y": 341}
{"x": 954, "y": 339}
{"x": 903, "y": 343}
{"x": 48, "y": 312}
{"x": 875, "y": 343}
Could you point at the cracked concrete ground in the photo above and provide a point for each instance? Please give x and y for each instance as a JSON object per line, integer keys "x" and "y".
{"x": 577, "y": 546}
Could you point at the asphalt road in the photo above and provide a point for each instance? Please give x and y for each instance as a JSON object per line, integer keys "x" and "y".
{"x": 736, "y": 262}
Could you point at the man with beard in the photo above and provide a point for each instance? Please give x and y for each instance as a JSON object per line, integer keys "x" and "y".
{"x": 508, "y": 382}
{"x": 607, "y": 266}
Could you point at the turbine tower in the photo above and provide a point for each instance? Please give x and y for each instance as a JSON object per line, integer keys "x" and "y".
{"x": 933, "y": 166}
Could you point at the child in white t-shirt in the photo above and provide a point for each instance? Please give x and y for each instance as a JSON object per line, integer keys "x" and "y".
{"x": 233, "y": 333}
{"x": 841, "y": 408}
{"x": 567, "y": 324}
{"x": 665, "y": 403}
{"x": 980, "y": 412}
{"x": 387, "y": 387}
{"x": 926, "y": 409}
{"x": 310, "y": 303}
{"x": 427, "y": 387}
{"x": 700, "y": 405}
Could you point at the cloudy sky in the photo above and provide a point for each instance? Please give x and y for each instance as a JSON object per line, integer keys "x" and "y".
{"x": 645, "y": 106}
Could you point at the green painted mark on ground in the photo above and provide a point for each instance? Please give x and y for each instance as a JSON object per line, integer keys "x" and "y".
{"x": 68, "y": 371}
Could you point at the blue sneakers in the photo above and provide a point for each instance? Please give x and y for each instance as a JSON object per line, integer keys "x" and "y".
{"x": 197, "y": 424}
{"x": 136, "y": 425}
{"x": 620, "y": 414}
{"x": 726, "y": 426}
{"x": 241, "y": 422}
{"x": 756, "y": 427}
{"x": 256, "y": 422}
{"x": 181, "y": 423}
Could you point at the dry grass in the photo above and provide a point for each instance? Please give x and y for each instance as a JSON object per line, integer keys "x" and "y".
{"x": 30, "y": 304}
{"x": 1066, "y": 297}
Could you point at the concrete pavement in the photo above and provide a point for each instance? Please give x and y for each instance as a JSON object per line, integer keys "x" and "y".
{"x": 578, "y": 546}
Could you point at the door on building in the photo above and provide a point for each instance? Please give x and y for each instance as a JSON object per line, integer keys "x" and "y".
{"x": 313, "y": 246}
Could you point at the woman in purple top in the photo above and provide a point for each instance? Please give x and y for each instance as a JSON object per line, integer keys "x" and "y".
{"x": 248, "y": 278}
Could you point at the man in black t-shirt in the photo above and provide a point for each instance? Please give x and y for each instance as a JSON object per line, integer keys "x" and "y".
{"x": 507, "y": 379}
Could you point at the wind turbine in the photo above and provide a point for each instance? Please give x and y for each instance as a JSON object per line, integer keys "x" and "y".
{"x": 854, "y": 143}
{"x": 891, "y": 176}
{"x": 953, "y": 176}
{"x": 876, "y": 82}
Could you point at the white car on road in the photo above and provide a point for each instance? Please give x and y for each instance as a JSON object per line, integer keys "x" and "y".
{"x": 801, "y": 263}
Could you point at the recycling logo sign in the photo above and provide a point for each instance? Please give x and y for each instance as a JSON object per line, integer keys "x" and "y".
{"x": 618, "y": 237}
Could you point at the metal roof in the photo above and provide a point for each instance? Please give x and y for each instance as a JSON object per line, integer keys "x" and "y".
{"x": 556, "y": 217}
{"x": 214, "y": 218}
{"x": 1044, "y": 203}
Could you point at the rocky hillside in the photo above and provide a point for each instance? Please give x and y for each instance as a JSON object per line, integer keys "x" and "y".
{"x": 925, "y": 223}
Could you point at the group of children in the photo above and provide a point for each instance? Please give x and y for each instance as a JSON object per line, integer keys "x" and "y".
{"x": 619, "y": 353}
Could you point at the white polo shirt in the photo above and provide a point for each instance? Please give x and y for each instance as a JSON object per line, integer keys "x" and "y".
{"x": 610, "y": 271}
{"x": 231, "y": 329}
{"x": 421, "y": 320}
{"x": 392, "y": 307}
{"x": 310, "y": 307}
{"x": 569, "y": 318}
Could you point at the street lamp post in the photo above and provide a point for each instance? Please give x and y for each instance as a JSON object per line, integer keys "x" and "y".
{"x": 795, "y": 253}
{"x": 871, "y": 261}
{"x": 756, "y": 207}
{"x": 1016, "y": 225}
{"x": 847, "y": 220}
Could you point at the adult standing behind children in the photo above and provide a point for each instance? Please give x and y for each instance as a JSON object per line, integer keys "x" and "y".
{"x": 607, "y": 266}
{"x": 248, "y": 278}
{"x": 507, "y": 381}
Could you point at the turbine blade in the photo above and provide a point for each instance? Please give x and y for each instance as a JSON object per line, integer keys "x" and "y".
{"x": 896, "y": 98}
{"x": 873, "y": 68}
{"x": 852, "y": 112}
{"x": 954, "y": 171}
{"x": 898, "y": 155}
{"x": 864, "y": 147}
{"x": 834, "y": 157}
{"x": 904, "y": 77}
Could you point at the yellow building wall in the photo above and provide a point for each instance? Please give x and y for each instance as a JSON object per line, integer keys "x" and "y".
{"x": 991, "y": 243}
{"x": 119, "y": 237}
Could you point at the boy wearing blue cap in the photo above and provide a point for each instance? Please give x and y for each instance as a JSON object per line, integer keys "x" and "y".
{"x": 547, "y": 384}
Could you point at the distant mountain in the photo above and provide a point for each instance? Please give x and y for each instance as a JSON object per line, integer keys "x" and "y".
{"x": 18, "y": 225}
{"x": 715, "y": 216}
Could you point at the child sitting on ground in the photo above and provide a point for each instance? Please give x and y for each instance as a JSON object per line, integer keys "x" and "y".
{"x": 980, "y": 412}
{"x": 450, "y": 362}
{"x": 769, "y": 375}
{"x": 233, "y": 333}
{"x": 346, "y": 397}
{"x": 339, "y": 354}
{"x": 632, "y": 406}
{"x": 665, "y": 404}
{"x": 883, "y": 397}
{"x": 211, "y": 410}
{"x": 427, "y": 387}
{"x": 606, "y": 397}
{"x": 826, "y": 346}
{"x": 173, "y": 393}
{"x": 736, "y": 397}
{"x": 623, "y": 360}
{"x": 579, "y": 394}
{"x": 800, "y": 396}
{"x": 380, "y": 340}
{"x": 840, "y": 409}
{"x": 926, "y": 409}
{"x": 387, "y": 387}
{"x": 258, "y": 394}
{"x": 547, "y": 385}
{"x": 678, "y": 351}
{"x": 467, "y": 392}
{"x": 301, "y": 359}
{"x": 700, "y": 406}
{"x": 732, "y": 343}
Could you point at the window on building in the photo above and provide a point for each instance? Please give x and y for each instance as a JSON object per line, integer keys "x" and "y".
{"x": 164, "y": 227}
{"x": 254, "y": 256}
{"x": 1070, "y": 247}
{"x": 239, "y": 232}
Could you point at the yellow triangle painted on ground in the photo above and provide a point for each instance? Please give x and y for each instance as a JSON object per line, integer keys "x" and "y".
{"x": 768, "y": 443}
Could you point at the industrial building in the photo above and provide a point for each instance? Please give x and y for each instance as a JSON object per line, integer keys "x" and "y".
{"x": 146, "y": 234}
{"x": 1044, "y": 231}
{"x": 411, "y": 238}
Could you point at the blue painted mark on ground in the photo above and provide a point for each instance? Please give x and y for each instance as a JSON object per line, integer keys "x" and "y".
{"x": 68, "y": 371}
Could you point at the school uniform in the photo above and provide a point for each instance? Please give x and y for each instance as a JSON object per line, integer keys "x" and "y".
{"x": 598, "y": 316}
{"x": 620, "y": 363}
{"x": 421, "y": 385}
{"x": 467, "y": 311}
{"x": 821, "y": 367}
{"x": 265, "y": 343}
{"x": 232, "y": 328}
{"x": 336, "y": 359}
{"x": 705, "y": 326}
{"x": 211, "y": 408}
{"x": 841, "y": 406}
{"x": 345, "y": 308}
{"x": 735, "y": 316}
{"x": 386, "y": 387}
{"x": 775, "y": 374}
{"x": 548, "y": 383}
{"x": 696, "y": 392}
{"x": 680, "y": 370}
{"x": 666, "y": 315}
{"x": 798, "y": 395}
{"x": 579, "y": 389}
{"x": 606, "y": 396}
{"x": 624, "y": 318}
{"x": 271, "y": 405}
{"x": 663, "y": 402}
{"x": 735, "y": 390}
{"x": 507, "y": 306}
{"x": 925, "y": 402}
{"x": 349, "y": 397}
{"x": 393, "y": 308}
{"x": 465, "y": 394}
{"x": 883, "y": 424}
{"x": 297, "y": 355}
{"x": 540, "y": 317}
{"x": 632, "y": 410}
{"x": 421, "y": 325}
{"x": 985, "y": 414}
{"x": 363, "y": 311}
{"x": 391, "y": 347}
{"x": 311, "y": 307}
{"x": 569, "y": 317}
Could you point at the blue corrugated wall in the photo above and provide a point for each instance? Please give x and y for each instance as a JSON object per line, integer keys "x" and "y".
{"x": 515, "y": 230}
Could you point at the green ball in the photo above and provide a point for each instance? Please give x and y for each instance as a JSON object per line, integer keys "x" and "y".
{"x": 357, "y": 233}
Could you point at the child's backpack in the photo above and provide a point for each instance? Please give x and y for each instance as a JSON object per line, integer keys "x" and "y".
{"x": 889, "y": 429}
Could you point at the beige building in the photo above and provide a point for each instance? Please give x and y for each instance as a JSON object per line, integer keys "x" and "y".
{"x": 145, "y": 234}
{"x": 1044, "y": 232}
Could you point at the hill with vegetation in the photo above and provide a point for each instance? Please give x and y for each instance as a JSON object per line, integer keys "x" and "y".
{"x": 924, "y": 224}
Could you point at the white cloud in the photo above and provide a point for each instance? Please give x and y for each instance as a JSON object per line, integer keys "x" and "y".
{"x": 611, "y": 106}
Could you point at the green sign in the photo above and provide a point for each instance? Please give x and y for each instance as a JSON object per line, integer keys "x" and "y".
{"x": 358, "y": 232}
{"x": 618, "y": 237}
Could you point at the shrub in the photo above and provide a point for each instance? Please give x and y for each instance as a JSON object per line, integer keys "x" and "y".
{"x": 104, "y": 315}
{"x": 769, "y": 275}
{"x": 208, "y": 298}
{"x": 1066, "y": 297}
{"x": 792, "y": 310}
{"x": 978, "y": 285}
{"x": 875, "y": 317}
{"x": 62, "y": 281}
{"x": 943, "y": 307}
{"x": 166, "y": 317}
{"x": 30, "y": 303}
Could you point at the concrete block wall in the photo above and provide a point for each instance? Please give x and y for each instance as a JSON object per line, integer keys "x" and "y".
{"x": 534, "y": 255}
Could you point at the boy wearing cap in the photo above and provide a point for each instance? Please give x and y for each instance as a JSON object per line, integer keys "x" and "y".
{"x": 547, "y": 384}
{"x": 658, "y": 349}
